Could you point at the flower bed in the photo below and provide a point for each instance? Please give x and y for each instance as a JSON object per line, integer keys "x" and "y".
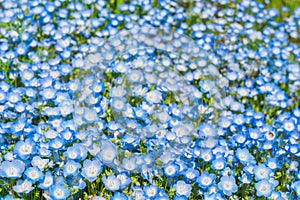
{"x": 149, "y": 100}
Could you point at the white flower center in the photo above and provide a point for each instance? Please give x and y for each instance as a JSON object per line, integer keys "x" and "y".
{"x": 227, "y": 185}
{"x": 59, "y": 193}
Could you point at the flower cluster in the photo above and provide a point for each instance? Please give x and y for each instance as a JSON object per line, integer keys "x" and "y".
{"x": 149, "y": 100}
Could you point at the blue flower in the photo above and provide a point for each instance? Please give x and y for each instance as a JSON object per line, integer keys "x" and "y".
{"x": 244, "y": 156}
{"x": 118, "y": 91}
{"x": 71, "y": 168}
{"x": 91, "y": 169}
{"x": 171, "y": 169}
{"x": 47, "y": 182}
{"x": 261, "y": 172}
{"x": 154, "y": 96}
{"x": 125, "y": 180}
{"x": 205, "y": 180}
{"x": 296, "y": 187}
{"x": 228, "y": 185}
{"x": 18, "y": 128}
{"x": 76, "y": 152}
{"x": 182, "y": 188}
{"x": 77, "y": 182}
{"x": 48, "y": 93}
{"x": 12, "y": 169}
{"x": 119, "y": 196}
{"x": 151, "y": 191}
{"x": 191, "y": 174}
{"x": 264, "y": 188}
{"x": 129, "y": 164}
{"x": 218, "y": 164}
{"x": 130, "y": 141}
{"x": 273, "y": 163}
{"x": 108, "y": 152}
{"x": 121, "y": 67}
{"x": 59, "y": 192}
{"x": 13, "y": 97}
{"x": 206, "y": 86}
{"x": 118, "y": 104}
{"x": 289, "y": 125}
{"x": 245, "y": 178}
{"x": 111, "y": 182}
{"x": 135, "y": 76}
{"x": 90, "y": 115}
{"x": 23, "y": 186}
{"x": 34, "y": 174}
{"x": 180, "y": 198}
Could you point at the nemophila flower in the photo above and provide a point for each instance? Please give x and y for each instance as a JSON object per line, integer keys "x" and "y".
{"x": 205, "y": 180}
{"x": 59, "y": 191}
{"x": 154, "y": 96}
{"x": 91, "y": 169}
{"x": 108, "y": 152}
{"x": 130, "y": 141}
{"x": 296, "y": 188}
{"x": 141, "y": 114}
{"x": 34, "y": 174}
{"x": 125, "y": 180}
{"x": 213, "y": 196}
{"x": 228, "y": 185}
{"x": 261, "y": 172}
{"x": 240, "y": 138}
{"x": 90, "y": 115}
{"x": 48, "y": 93}
{"x": 77, "y": 182}
{"x": 207, "y": 130}
{"x": 66, "y": 108}
{"x": 121, "y": 67}
{"x": 118, "y": 91}
{"x": 206, "y": 86}
{"x": 19, "y": 126}
{"x": 151, "y": 191}
{"x": 135, "y": 76}
{"x": 47, "y": 182}
{"x": 224, "y": 122}
{"x": 254, "y": 133}
{"x": 138, "y": 193}
{"x": 24, "y": 149}
{"x": 111, "y": 182}
{"x": 289, "y": 125}
{"x": 13, "y": 97}
{"x": 245, "y": 178}
{"x": 119, "y": 196}
{"x": 207, "y": 155}
{"x": 264, "y": 188}
{"x": 71, "y": 168}
{"x": 23, "y": 186}
{"x": 12, "y": 169}
{"x": 118, "y": 104}
{"x": 244, "y": 156}
{"x": 129, "y": 164}
{"x": 39, "y": 162}
{"x": 76, "y": 152}
{"x": 190, "y": 174}
{"x": 182, "y": 188}
{"x": 3, "y": 98}
{"x": 219, "y": 164}
{"x": 171, "y": 169}
{"x": 293, "y": 166}
{"x": 180, "y": 197}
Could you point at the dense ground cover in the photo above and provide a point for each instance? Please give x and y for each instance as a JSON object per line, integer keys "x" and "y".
{"x": 149, "y": 99}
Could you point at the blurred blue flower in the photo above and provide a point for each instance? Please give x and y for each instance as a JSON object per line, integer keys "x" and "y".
{"x": 12, "y": 169}
{"x": 228, "y": 185}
